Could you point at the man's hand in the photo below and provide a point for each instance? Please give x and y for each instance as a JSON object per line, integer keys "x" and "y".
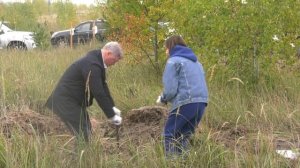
{"x": 117, "y": 111}
{"x": 116, "y": 120}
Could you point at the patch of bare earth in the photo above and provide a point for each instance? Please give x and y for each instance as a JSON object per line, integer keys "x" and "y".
{"x": 241, "y": 138}
{"x": 30, "y": 122}
{"x": 140, "y": 127}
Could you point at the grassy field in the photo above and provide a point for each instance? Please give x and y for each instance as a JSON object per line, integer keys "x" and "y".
{"x": 242, "y": 127}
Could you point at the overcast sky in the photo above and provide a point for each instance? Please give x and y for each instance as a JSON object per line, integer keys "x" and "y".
{"x": 87, "y": 2}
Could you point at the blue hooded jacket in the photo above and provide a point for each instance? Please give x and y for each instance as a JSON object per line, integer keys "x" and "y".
{"x": 183, "y": 79}
{"x": 182, "y": 51}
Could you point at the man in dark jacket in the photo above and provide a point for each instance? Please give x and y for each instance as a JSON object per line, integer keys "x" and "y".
{"x": 84, "y": 80}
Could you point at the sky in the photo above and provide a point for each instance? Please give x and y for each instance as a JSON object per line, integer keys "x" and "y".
{"x": 77, "y": 2}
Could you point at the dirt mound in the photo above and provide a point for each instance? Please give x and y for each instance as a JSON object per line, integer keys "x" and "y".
{"x": 144, "y": 123}
{"x": 30, "y": 122}
{"x": 147, "y": 115}
{"x": 138, "y": 124}
{"x": 139, "y": 127}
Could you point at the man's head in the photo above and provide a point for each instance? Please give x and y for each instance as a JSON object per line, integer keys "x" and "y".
{"x": 112, "y": 53}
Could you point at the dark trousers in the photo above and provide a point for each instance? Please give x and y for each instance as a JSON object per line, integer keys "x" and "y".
{"x": 79, "y": 125}
{"x": 180, "y": 125}
{"x": 74, "y": 115}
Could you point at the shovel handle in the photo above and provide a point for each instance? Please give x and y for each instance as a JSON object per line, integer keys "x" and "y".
{"x": 118, "y": 135}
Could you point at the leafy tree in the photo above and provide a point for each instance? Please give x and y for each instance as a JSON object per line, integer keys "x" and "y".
{"x": 66, "y": 14}
{"x": 41, "y": 7}
{"x": 135, "y": 23}
{"x": 95, "y": 12}
{"x": 23, "y": 16}
{"x": 20, "y": 15}
{"x": 240, "y": 33}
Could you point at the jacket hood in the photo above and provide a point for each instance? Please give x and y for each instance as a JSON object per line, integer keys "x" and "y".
{"x": 182, "y": 51}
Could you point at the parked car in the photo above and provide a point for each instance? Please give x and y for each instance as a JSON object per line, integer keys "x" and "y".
{"x": 81, "y": 34}
{"x": 10, "y": 39}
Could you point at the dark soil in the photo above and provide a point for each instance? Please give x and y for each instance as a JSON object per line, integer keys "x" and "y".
{"x": 140, "y": 126}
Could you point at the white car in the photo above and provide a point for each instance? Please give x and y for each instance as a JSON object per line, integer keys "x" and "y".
{"x": 10, "y": 39}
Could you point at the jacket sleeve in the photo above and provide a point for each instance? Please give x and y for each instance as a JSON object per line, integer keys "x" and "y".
{"x": 100, "y": 91}
{"x": 170, "y": 81}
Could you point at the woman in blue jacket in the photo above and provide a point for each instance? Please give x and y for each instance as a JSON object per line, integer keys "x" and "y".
{"x": 185, "y": 88}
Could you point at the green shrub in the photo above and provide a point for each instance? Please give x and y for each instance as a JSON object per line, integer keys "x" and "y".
{"x": 42, "y": 36}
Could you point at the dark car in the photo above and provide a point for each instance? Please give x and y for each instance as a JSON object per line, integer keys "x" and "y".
{"x": 82, "y": 33}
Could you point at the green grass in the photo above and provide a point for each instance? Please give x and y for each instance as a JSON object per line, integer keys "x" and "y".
{"x": 266, "y": 113}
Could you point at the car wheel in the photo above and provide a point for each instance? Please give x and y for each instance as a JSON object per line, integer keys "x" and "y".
{"x": 16, "y": 45}
{"x": 62, "y": 43}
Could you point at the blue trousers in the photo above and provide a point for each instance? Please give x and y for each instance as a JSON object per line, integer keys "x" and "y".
{"x": 180, "y": 125}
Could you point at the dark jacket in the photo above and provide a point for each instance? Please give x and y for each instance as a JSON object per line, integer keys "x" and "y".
{"x": 84, "y": 80}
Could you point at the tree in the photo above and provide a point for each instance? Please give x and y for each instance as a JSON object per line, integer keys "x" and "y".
{"x": 20, "y": 15}
{"x": 66, "y": 14}
{"x": 239, "y": 33}
{"x": 95, "y": 12}
{"x": 135, "y": 23}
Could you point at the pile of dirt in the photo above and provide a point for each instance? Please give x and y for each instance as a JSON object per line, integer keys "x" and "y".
{"x": 148, "y": 115}
{"x": 139, "y": 125}
{"x": 30, "y": 122}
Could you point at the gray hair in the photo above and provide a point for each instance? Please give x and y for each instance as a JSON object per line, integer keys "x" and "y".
{"x": 115, "y": 48}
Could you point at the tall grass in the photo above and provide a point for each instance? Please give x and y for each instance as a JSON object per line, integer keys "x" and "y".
{"x": 266, "y": 113}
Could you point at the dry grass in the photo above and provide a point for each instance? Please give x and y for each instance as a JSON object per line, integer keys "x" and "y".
{"x": 241, "y": 127}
